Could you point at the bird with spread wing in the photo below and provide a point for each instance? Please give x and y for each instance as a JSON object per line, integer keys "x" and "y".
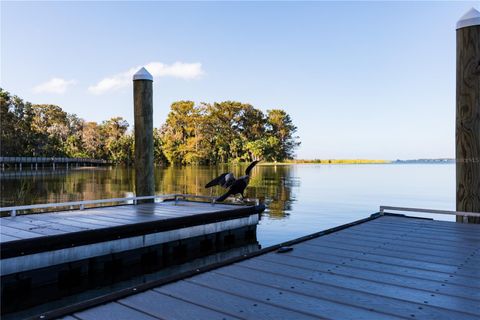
{"x": 228, "y": 181}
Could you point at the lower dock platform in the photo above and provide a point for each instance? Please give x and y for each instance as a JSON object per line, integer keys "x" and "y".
{"x": 382, "y": 267}
{"x": 49, "y": 255}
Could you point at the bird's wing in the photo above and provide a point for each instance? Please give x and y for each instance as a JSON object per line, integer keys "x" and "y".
{"x": 224, "y": 196}
{"x": 250, "y": 167}
{"x": 238, "y": 186}
{"x": 229, "y": 180}
{"x": 220, "y": 180}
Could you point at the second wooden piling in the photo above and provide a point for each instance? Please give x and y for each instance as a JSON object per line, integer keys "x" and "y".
{"x": 468, "y": 114}
{"x": 143, "y": 109}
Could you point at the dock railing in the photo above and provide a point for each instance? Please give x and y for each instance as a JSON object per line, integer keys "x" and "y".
{"x": 463, "y": 214}
{"x": 51, "y": 160}
{"x": 81, "y": 205}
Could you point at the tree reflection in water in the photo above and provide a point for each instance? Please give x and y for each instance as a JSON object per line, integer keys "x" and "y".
{"x": 270, "y": 183}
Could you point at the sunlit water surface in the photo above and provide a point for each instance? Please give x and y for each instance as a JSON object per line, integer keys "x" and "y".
{"x": 300, "y": 199}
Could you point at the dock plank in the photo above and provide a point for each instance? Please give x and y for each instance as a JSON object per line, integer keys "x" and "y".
{"x": 421, "y": 232}
{"x": 22, "y": 234}
{"x": 447, "y": 260}
{"x": 42, "y": 229}
{"x": 362, "y": 243}
{"x": 428, "y": 227}
{"x": 75, "y": 221}
{"x": 167, "y": 307}
{"x": 234, "y": 305}
{"x": 336, "y": 259}
{"x": 298, "y": 280}
{"x": 5, "y": 238}
{"x": 459, "y": 304}
{"x": 130, "y": 218}
{"x": 437, "y": 224}
{"x": 113, "y": 311}
{"x": 412, "y": 238}
{"x": 390, "y": 267}
{"x": 278, "y": 297}
{"x": 408, "y": 242}
{"x": 406, "y": 245}
{"x": 120, "y": 219}
{"x": 427, "y": 223}
{"x": 41, "y": 223}
{"x": 64, "y": 222}
{"x": 390, "y": 259}
{"x": 383, "y": 277}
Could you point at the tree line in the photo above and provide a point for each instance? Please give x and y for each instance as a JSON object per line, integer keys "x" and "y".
{"x": 205, "y": 133}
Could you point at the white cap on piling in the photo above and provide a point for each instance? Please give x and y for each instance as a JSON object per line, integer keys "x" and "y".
{"x": 471, "y": 18}
{"x": 142, "y": 74}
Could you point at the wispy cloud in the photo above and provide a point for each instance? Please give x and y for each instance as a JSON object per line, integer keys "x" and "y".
{"x": 179, "y": 70}
{"x": 54, "y": 85}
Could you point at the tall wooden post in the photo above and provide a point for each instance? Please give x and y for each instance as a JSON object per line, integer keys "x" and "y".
{"x": 143, "y": 114}
{"x": 468, "y": 114}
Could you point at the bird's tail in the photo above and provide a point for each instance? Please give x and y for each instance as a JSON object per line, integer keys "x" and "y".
{"x": 223, "y": 197}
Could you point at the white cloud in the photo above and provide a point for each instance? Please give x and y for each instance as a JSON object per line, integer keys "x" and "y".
{"x": 179, "y": 70}
{"x": 54, "y": 85}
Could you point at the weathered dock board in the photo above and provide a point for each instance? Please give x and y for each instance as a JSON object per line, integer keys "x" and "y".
{"x": 385, "y": 267}
{"x": 34, "y": 241}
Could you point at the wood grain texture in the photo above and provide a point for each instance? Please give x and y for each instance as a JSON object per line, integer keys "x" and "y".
{"x": 143, "y": 115}
{"x": 468, "y": 121}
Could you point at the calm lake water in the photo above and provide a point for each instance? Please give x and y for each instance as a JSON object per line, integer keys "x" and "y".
{"x": 300, "y": 199}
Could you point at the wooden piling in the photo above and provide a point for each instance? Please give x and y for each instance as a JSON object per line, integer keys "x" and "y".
{"x": 143, "y": 114}
{"x": 468, "y": 114}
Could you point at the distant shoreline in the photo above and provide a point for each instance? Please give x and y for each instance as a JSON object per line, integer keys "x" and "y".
{"x": 362, "y": 161}
{"x": 329, "y": 161}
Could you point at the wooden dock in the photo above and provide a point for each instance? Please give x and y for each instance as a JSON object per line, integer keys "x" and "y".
{"x": 33, "y": 241}
{"x": 382, "y": 267}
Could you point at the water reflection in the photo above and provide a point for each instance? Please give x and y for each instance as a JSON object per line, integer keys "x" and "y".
{"x": 300, "y": 199}
{"x": 272, "y": 184}
{"x": 23, "y": 188}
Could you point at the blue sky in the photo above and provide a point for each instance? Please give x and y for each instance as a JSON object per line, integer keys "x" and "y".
{"x": 360, "y": 79}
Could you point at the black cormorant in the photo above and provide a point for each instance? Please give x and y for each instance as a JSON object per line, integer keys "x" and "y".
{"x": 235, "y": 186}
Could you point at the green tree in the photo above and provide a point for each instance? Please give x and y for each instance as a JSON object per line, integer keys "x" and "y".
{"x": 15, "y": 122}
{"x": 73, "y": 146}
{"x": 158, "y": 154}
{"x": 50, "y": 125}
{"x": 263, "y": 149}
{"x": 122, "y": 149}
{"x": 280, "y": 125}
{"x": 181, "y": 133}
{"x": 8, "y": 121}
{"x": 206, "y": 133}
{"x": 115, "y": 143}
{"x": 92, "y": 140}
